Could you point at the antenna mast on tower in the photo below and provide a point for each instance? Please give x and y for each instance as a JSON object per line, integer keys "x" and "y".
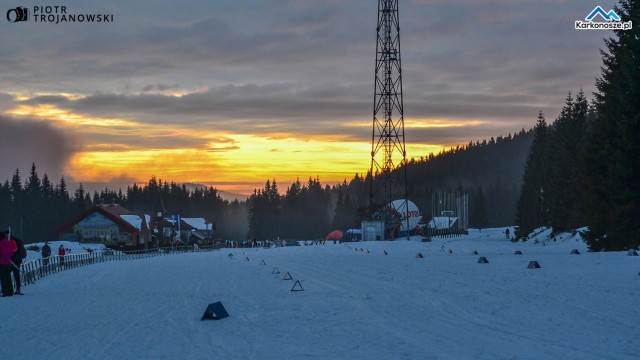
{"x": 388, "y": 154}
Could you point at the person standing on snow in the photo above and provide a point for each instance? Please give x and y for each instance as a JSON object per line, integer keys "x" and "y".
{"x": 5, "y": 265}
{"x": 46, "y": 253}
{"x": 61, "y": 253}
{"x": 16, "y": 262}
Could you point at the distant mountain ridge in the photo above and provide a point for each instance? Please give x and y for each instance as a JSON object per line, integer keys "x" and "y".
{"x": 225, "y": 195}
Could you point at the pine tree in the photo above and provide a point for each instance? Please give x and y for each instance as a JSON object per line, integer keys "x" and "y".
{"x": 78, "y": 200}
{"x": 566, "y": 155}
{"x": 33, "y": 184}
{"x": 532, "y": 210}
{"x": 16, "y": 205}
{"x": 62, "y": 201}
{"x": 5, "y": 200}
{"x": 30, "y": 224}
{"x": 292, "y": 209}
{"x": 265, "y": 212}
{"x": 52, "y": 216}
{"x": 613, "y": 150}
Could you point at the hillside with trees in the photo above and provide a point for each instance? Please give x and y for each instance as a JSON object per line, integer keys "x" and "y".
{"x": 34, "y": 208}
{"x": 584, "y": 169}
{"x": 553, "y": 181}
{"x": 489, "y": 171}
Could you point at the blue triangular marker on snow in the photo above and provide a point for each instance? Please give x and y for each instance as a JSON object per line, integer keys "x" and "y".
{"x": 215, "y": 311}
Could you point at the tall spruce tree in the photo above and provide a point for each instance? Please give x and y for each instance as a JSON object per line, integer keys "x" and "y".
{"x": 532, "y": 210}
{"x": 17, "y": 210}
{"x": 566, "y": 141}
{"x": 265, "y": 208}
{"x": 51, "y": 216}
{"x": 5, "y": 209}
{"x": 29, "y": 226}
{"x": 293, "y": 203}
{"x": 613, "y": 149}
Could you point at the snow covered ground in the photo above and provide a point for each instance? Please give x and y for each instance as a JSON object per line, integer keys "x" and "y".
{"x": 357, "y": 303}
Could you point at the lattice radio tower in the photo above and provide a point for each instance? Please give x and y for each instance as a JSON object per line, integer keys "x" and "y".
{"x": 388, "y": 154}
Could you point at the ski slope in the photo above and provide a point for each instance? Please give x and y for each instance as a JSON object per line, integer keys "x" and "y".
{"x": 357, "y": 303}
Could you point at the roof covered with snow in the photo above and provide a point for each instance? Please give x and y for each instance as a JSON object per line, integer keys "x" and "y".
{"x": 442, "y": 222}
{"x": 134, "y": 220}
{"x": 197, "y": 223}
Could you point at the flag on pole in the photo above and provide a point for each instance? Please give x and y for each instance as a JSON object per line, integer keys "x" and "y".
{"x": 173, "y": 226}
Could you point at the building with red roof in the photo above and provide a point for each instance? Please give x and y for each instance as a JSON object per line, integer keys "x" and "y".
{"x": 111, "y": 224}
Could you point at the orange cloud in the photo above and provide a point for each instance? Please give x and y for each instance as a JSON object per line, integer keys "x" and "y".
{"x": 123, "y": 148}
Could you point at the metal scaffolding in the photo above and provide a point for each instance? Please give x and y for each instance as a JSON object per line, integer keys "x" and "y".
{"x": 388, "y": 154}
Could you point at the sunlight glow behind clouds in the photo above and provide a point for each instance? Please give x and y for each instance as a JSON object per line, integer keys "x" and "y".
{"x": 65, "y": 117}
{"x": 181, "y": 154}
{"x": 251, "y": 160}
{"x": 237, "y": 92}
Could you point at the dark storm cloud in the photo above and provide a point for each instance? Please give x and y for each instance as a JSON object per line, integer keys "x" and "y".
{"x": 27, "y": 141}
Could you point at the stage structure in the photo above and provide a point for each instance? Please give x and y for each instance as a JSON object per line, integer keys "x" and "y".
{"x": 388, "y": 155}
{"x": 450, "y": 211}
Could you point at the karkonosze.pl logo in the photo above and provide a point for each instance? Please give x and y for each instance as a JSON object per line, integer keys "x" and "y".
{"x": 612, "y": 21}
{"x": 54, "y": 14}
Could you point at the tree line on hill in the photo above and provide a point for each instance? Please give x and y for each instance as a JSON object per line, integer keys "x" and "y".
{"x": 489, "y": 171}
{"x": 36, "y": 207}
{"x": 554, "y": 173}
{"x": 584, "y": 169}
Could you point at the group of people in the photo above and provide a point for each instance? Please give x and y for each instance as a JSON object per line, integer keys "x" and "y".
{"x": 12, "y": 252}
{"x": 46, "y": 254}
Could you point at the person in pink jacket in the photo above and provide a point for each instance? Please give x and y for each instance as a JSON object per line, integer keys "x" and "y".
{"x": 5, "y": 264}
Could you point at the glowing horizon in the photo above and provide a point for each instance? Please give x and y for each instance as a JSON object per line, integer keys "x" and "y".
{"x": 232, "y": 162}
{"x": 237, "y": 171}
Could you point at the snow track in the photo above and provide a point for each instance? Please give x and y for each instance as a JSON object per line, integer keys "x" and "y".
{"x": 355, "y": 305}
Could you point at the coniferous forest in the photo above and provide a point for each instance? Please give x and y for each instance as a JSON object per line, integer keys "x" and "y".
{"x": 35, "y": 207}
{"x": 584, "y": 169}
{"x": 489, "y": 171}
{"x": 581, "y": 170}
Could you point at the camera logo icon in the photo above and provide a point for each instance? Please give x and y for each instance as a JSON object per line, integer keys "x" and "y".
{"x": 18, "y": 14}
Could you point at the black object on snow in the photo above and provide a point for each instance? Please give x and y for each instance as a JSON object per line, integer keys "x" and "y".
{"x": 215, "y": 311}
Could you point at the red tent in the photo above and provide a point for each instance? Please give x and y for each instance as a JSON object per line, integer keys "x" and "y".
{"x": 334, "y": 235}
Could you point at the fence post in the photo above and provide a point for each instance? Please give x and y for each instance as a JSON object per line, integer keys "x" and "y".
{"x": 25, "y": 273}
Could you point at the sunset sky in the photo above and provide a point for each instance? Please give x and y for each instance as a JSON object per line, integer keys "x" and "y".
{"x": 231, "y": 93}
